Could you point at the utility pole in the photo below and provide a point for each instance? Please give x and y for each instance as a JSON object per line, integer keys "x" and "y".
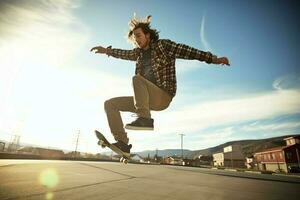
{"x": 231, "y": 159}
{"x": 156, "y": 155}
{"x": 78, "y": 133}
{"x": 298, "y": 159}
{"x": 181, "y": 145}
{"x": 14, "y": 143}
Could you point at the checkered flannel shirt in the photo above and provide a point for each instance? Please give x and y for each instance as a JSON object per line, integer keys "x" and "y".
{"x": 163, "y": 56}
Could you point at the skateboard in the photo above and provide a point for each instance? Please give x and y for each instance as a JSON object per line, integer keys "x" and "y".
{"x": 103, "y": 142}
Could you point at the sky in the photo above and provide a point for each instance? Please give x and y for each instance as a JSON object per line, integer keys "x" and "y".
{"x": 52, "y": 88}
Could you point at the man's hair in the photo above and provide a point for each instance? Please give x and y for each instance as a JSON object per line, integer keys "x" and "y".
{"x": 135, "y": 23}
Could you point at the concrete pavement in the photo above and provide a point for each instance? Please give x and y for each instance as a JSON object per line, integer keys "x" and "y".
{"x": 21, "y": 179}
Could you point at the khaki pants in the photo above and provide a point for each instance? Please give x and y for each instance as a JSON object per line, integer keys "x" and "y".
{"x": 147, "y": 96}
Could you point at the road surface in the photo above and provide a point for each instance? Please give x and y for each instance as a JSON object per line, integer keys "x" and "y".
{"x": 49, "y": 180}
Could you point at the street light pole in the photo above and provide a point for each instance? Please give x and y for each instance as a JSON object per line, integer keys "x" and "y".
{"x": 77, "y": 142}
{"x": 181, "y": 145}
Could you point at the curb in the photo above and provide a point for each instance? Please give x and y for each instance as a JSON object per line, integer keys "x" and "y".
{"x": 285, "y": 175}
{"x": 253, "y": 172}
{"x": 232, "y": 170}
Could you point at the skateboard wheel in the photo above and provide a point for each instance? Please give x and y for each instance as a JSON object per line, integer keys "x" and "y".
{"x": 124, "y": 160}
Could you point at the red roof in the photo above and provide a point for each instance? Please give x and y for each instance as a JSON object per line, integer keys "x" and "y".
{"x": 292, "y": 137}
{"x": 276, "y": 149}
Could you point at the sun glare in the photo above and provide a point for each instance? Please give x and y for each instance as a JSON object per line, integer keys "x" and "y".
{"x": 49, "y": 178}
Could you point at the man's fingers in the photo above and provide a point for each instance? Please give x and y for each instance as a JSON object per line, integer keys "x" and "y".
{"x": 226, "y": 61}
{"x": 223, "y": 61}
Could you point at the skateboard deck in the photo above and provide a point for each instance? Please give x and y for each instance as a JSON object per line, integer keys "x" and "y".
{"x": 103, "y": 142}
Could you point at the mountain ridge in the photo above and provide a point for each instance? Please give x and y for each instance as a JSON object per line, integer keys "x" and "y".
{"x": 248, "y": 146}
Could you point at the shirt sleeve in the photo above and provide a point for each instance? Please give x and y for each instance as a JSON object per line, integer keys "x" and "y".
{"x": 124, "y": 54}
{"x": 186, "y": 52}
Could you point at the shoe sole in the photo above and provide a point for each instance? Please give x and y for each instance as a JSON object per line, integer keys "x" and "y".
{"x": 139, "y": 128}
{"x": 119, "y": 151}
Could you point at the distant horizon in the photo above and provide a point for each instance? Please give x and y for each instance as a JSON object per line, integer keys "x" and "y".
{"x": 184, "y": 149}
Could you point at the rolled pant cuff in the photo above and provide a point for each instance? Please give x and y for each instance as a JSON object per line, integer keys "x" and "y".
{"x": 121, "y": 137}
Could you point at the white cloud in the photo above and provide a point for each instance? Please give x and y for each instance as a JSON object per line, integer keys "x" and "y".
{"x": 203, "y": 115}
{"x": 271, "y": 127}
{"x": 290, "y": 81}
{"x": 36, "y": 31}
{"x": 213, "y": 138}
{"x": 184, "y": 66}
{"x": 204, "y": 41}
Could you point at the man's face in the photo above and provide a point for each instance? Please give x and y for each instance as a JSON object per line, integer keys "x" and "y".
{"x": 142, "y": 40}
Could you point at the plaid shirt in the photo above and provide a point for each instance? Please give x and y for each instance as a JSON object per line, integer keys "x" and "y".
{"x": 163, "y": 56}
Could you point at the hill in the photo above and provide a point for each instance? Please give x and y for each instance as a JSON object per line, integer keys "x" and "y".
{"x": 249, "y": 147}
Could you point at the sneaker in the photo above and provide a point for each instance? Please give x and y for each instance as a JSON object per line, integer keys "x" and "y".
{"x": 122, "y": 146}
{"x": 141, "y": 123}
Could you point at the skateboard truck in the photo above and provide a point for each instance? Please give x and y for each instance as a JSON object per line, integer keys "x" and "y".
{"x": 103, "y": 142}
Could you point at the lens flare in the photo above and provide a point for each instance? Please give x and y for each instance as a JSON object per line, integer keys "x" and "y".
{"x": 49, "y": 178}
{"x": 49, "y": 196}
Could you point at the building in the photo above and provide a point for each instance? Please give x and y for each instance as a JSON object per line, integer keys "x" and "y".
{"x": 202, "y": 160}
{"x": 250, "y": 162}
{"x": 231, "y": 156}
{"x": 42, "y": 152}
{"x": 292, "y": 140}
{"x": 218, "y": 159}
{"x": 173, "y": 160}
{"x": 137, "y": 158}
{"x": 2, "y": 146}
{"x": 280, "y": 159}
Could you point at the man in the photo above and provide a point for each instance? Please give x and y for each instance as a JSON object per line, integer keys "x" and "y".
{"x": 154, "y": 83}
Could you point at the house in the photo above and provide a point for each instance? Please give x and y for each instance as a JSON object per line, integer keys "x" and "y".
{"x": 231, "y": 156}
{"x": 280, "y": 159}
{"x": 173, "y": 160}
{"x": 137, "y": 158}
{"x": 218, "y": 159}
{"x": 187, "y": 162}
{"x": 201, "y": 160}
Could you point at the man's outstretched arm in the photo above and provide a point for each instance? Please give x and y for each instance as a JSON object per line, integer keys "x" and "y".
{"x": 186, "y": 52}
{"x": 117, "y": 53}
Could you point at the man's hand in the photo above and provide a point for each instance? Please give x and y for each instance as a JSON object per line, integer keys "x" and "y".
{"x": 222, "y": 61}
{"x": 99, "y": 49}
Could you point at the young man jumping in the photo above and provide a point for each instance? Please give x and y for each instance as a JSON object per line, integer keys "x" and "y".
{"x": 154, "y": 82}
